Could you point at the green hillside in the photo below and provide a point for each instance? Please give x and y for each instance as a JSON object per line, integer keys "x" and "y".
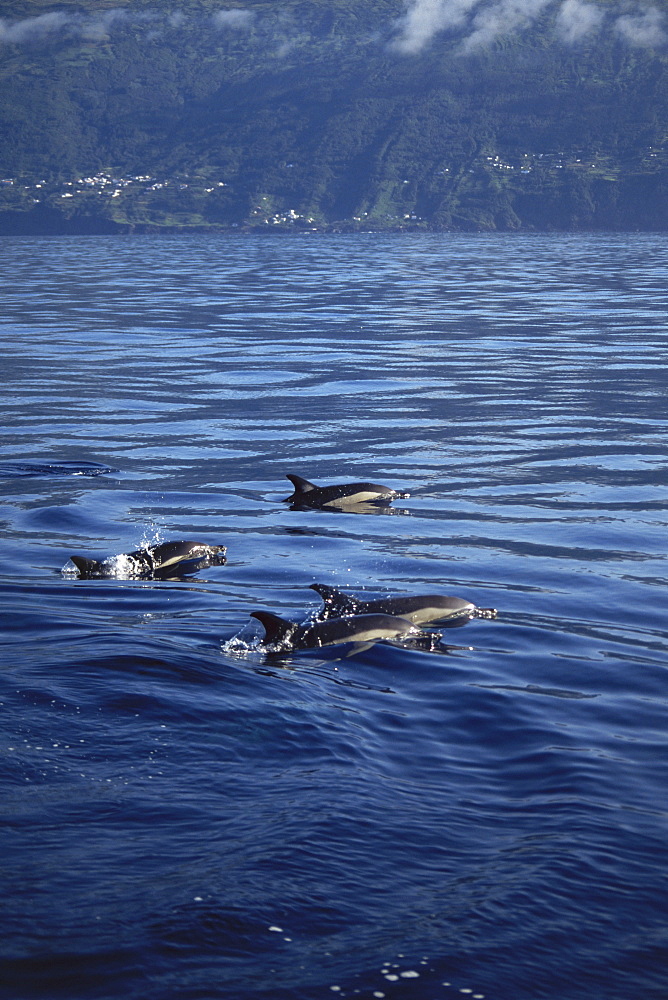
{"x": 333, "y": 114}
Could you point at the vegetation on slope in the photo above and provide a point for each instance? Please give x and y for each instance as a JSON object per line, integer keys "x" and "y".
{"x": 330, "y": 115}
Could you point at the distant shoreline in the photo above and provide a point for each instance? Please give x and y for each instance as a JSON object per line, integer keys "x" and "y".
{"x": 104, "y": 227}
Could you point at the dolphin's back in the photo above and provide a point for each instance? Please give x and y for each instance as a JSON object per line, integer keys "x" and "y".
{"x": 180, "y": 558}
{"x": 355, "y": 628}
{"x": 341, "y": 495}
{"x": 86, "y": 565}
{"x": 277, "y": 630}
{"x": 336, "y": 602}
{"x": 300, "y": 484}
{"x": 419, "y": 609}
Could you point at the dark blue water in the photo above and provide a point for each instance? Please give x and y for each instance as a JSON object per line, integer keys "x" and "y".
{"x": 186, "y": 817}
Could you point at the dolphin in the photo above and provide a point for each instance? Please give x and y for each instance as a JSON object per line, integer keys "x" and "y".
{"x": 156, "y": 561}
{"x": 307, "y": 494}
{"x": 419, "y": 610}
{"x": 312, "y": 635}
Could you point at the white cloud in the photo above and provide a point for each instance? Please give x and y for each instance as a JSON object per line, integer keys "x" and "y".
{"x": 647, "y": 29}
{"x": 507, "y": 16}
{"x": 235, "y": 18}
{"x": 482, "y": 23}
{"x": 32, "y": 28}
{"x": 477, "y": 24}
{"x": 426, "y": 18}
{"x": 95, "y": 27}
{"x": 577, "y": 19}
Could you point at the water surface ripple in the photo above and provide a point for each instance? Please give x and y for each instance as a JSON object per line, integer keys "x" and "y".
{"x": 185, "y": 817}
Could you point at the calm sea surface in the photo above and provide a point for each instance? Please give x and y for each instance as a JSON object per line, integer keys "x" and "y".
{"x": 185, "y": 818}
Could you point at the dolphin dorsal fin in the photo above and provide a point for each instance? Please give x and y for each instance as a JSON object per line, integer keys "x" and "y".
{"x": 277, "y": 630}
{"x": 336, "y": 601}
{"x": 300, "y": 484}
{"x": 85, "y": 565}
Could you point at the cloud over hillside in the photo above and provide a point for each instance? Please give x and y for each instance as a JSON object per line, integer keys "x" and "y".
{"x": 481, "y": 23}
{"x": 473, "y": 24}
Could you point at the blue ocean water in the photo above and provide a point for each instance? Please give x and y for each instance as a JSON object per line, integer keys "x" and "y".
{"x": 184, "y": 816}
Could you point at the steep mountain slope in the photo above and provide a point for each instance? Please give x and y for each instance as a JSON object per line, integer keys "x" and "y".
{"x": 451, "y": 114}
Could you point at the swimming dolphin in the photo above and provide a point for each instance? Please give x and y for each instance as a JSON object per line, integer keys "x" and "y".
{"x": 307, "y": 494}
{"x": 356, "y": 628}
{"x": 156, "y": 561}
{"x": 419, "y": 610}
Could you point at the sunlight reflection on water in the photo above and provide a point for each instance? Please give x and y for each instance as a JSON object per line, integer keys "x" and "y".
{"x": 443, "y": 811}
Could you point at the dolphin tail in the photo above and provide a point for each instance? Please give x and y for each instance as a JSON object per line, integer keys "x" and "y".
{"x": 277, "y": 630}
{"x": 85, "y": 566}
{"x": 337, "y": 604}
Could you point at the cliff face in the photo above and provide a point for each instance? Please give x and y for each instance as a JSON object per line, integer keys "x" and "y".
{"x": 345, "y": 115}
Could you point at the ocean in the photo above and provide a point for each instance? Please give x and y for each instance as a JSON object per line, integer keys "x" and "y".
{"x": 189, "y": 815}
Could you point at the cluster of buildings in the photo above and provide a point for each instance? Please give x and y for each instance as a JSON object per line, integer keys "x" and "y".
{"x": 101, "y": 183}
{"x": 526, "y": 163}
{"x": 263, "y": 213}
{"x": 268, "y": 210}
